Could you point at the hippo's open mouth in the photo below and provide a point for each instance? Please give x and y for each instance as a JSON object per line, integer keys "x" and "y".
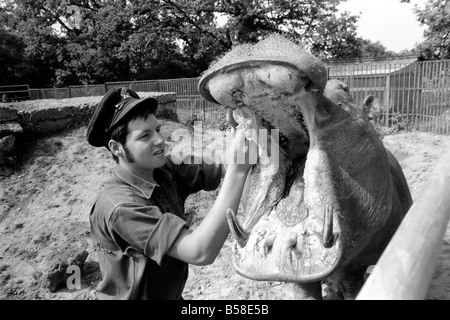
{"x": 289, "y": 230}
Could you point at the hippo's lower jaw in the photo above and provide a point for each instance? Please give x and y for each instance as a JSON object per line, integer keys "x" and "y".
{"x": 289, "y": 231}
{"x": 301, "y": 253}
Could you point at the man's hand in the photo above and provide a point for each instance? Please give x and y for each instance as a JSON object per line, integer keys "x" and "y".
{"x": 241, "y": 152}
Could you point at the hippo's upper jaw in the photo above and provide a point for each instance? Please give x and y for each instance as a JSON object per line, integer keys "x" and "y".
{"x": 305, "y": 207}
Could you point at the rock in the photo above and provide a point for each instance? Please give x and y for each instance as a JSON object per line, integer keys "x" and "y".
{"x": 9, "y": 128}
{"x": 8, "y": 114}
{"x": 7, "y": 144}
{"x": 80, "y": 259}
{"x": 57, "y": 275}
{"x": 52, "y": 125}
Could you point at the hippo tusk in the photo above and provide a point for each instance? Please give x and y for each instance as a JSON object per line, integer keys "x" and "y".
{"x": 327, "y": 233}
{"x": 239, "y": 233}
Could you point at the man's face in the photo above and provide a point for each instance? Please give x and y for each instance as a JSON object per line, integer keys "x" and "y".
{"x": 145, "y": 144}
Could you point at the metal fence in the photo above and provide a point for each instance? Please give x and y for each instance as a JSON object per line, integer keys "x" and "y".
{"x": 14, "y": 93}
{"x": 197, "y": 108}
{"x": 69, "y": 92}
{"x": 189, "y": 104}
{"x": 414, "y": 96}
{"x": 184, "y": 87}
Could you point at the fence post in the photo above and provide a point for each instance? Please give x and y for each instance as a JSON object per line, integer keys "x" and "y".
{"x": 406, "y": 267}
{"x": 387, "y": 98}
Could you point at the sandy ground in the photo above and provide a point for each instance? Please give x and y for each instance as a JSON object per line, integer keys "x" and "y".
{"x": 44, "y": 205}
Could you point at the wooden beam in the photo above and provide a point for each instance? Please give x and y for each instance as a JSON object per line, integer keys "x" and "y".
{"x": 406, "y": 267}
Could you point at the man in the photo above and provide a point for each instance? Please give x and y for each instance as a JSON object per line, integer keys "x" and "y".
{"x": 137, "y": 222}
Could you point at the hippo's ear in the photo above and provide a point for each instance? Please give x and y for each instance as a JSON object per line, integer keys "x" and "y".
{"x": 345, "y": 87}
{"x": 371, "y": 105}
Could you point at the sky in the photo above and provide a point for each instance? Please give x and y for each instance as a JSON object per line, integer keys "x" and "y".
{"x": 391, "y": 22}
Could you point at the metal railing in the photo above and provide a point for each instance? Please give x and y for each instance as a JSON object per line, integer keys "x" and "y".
{"x": 415, "y": 95}
{"x": 14, "y": 93}
{"x": 406, "y": 267}
{"x": 182, "y": 86}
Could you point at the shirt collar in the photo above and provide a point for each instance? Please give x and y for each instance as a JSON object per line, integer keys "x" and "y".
{"x": 142, "y": 185}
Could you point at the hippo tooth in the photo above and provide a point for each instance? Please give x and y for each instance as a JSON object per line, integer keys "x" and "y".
{"x": 327, "y": 232}
{"x": 268, "y": 242}
{"x": 292, "y": 240}
{"x": 295, "y": 258}
{"x": 262, "y": 242}
{"x": 237, "y": 97}
{"x": 292, "y": 243}
{"x": 236, "y": 93}
{"x": 300, "y": 242}
{"x": 238, "y": 232}
{"x": 262, "y": 232}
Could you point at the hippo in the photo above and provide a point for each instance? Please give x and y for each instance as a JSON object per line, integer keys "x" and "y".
{"x": 323, "y": 205}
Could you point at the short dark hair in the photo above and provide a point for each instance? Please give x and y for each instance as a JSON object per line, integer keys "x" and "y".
{"x": 120, "y": 131}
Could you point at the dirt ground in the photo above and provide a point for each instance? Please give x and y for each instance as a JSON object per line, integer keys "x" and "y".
{"x": 44, "y": 206}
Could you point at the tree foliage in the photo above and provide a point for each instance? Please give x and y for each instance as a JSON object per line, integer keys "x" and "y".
{"x": 371, "y": 49}
{"x": 317, "y": 24}
{"x": 113, "y": 40}
{"x": 12, "y": 66}
{"x": 436, "y": 17}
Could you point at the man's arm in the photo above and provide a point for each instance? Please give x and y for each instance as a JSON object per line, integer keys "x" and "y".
{"x": 201, "y": 246}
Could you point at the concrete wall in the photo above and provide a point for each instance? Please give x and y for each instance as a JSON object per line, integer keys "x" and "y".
{"x": 52, "y": 115}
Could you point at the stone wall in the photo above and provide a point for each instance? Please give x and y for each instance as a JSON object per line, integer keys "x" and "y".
{"x": 52, "y": 115}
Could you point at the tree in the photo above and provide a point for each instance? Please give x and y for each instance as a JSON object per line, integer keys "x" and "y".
{"x": 153, "y": 39}
{"x": 40, "y": 43}
{"x": 371, "y": 49}
{"x": 315, "y": 23}
{"x": 436, "y": 16}
{"x": 92, "y": 52}
{"x": 12, "y": 60}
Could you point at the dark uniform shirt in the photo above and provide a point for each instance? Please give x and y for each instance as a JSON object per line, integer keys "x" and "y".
{"x": 134, "y": 223}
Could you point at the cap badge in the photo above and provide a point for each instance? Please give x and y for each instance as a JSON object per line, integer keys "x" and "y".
{"x": 124, "y": 94}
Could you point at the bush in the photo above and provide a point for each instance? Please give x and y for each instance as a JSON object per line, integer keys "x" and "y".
{"x": 168, "y": 115}
{"x": 397, "y": 122}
